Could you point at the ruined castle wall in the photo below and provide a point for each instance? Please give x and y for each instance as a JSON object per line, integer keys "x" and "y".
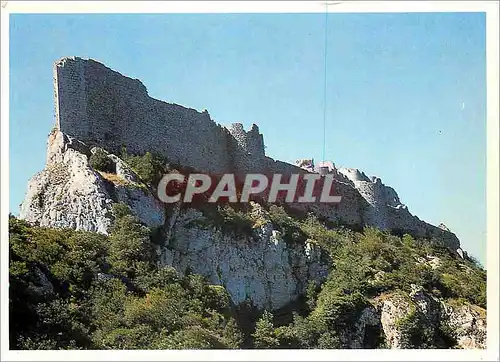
{"x": 102, "y": 107}
{"x": 70, "y": 97}
{"x": 246, "y": 149}
{"x": 353, "y": 174}
{"x": 374, "y": 194}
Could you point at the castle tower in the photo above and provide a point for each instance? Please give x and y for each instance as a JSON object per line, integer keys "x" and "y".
{"x": 70, "y": 97}
{"x": 247, "y": 148}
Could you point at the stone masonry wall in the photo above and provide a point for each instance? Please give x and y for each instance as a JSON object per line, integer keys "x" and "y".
{"x": 246, "y": 149}
{"x": 102, "y": 107}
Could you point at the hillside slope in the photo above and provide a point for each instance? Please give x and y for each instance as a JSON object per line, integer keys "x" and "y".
{"x": 99, "y": 262}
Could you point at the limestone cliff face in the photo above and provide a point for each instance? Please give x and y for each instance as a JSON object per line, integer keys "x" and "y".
{"x": 69, "y": 193}
{"x": 467, "y": 324}
{"x": 259, "y": 267}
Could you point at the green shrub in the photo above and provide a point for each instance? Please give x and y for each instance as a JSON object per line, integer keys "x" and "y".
{"x": 150, "y": 168}
{"x": 108, "y": 292}
{"x": 264, "y": 335}
{"x": 234, "y": 220}
{"x": 193, "y": 337}
{"x": 290, "y": 228}
{"x": 311, "y": 294}
{"x": 129, "y": 243}
{"x": 232, "y": 337}
{"x": 328, "y": 239}
{"x": 100, "y": 161}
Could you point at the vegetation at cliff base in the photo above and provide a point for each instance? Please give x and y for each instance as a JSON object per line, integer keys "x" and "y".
{"x": 82, "y": 290}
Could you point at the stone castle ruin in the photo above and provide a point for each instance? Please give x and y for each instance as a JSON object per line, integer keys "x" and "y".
{"x": 100, "y": 107}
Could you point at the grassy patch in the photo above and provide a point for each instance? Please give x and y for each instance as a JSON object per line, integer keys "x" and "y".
{"x": 118, "y": 180}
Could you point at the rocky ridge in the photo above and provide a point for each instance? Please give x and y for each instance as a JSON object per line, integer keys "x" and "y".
{"x": 260, "y": 267}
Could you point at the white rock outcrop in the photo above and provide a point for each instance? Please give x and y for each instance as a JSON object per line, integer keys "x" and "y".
{"x": 69, "y": 193}
{"x": 393, "y": 310}
{"x": 425, "y": 315}
{"x": 261, "y": 268}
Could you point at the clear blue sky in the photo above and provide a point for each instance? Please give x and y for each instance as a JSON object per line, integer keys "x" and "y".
{"x": 397, "y": 84}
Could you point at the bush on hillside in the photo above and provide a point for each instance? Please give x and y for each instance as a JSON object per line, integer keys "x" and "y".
{"x": 100, "y": 161}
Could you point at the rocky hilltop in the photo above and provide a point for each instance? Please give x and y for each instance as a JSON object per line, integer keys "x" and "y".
{"x": 100, "y": 107}
{"x": 264, "y": 255}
